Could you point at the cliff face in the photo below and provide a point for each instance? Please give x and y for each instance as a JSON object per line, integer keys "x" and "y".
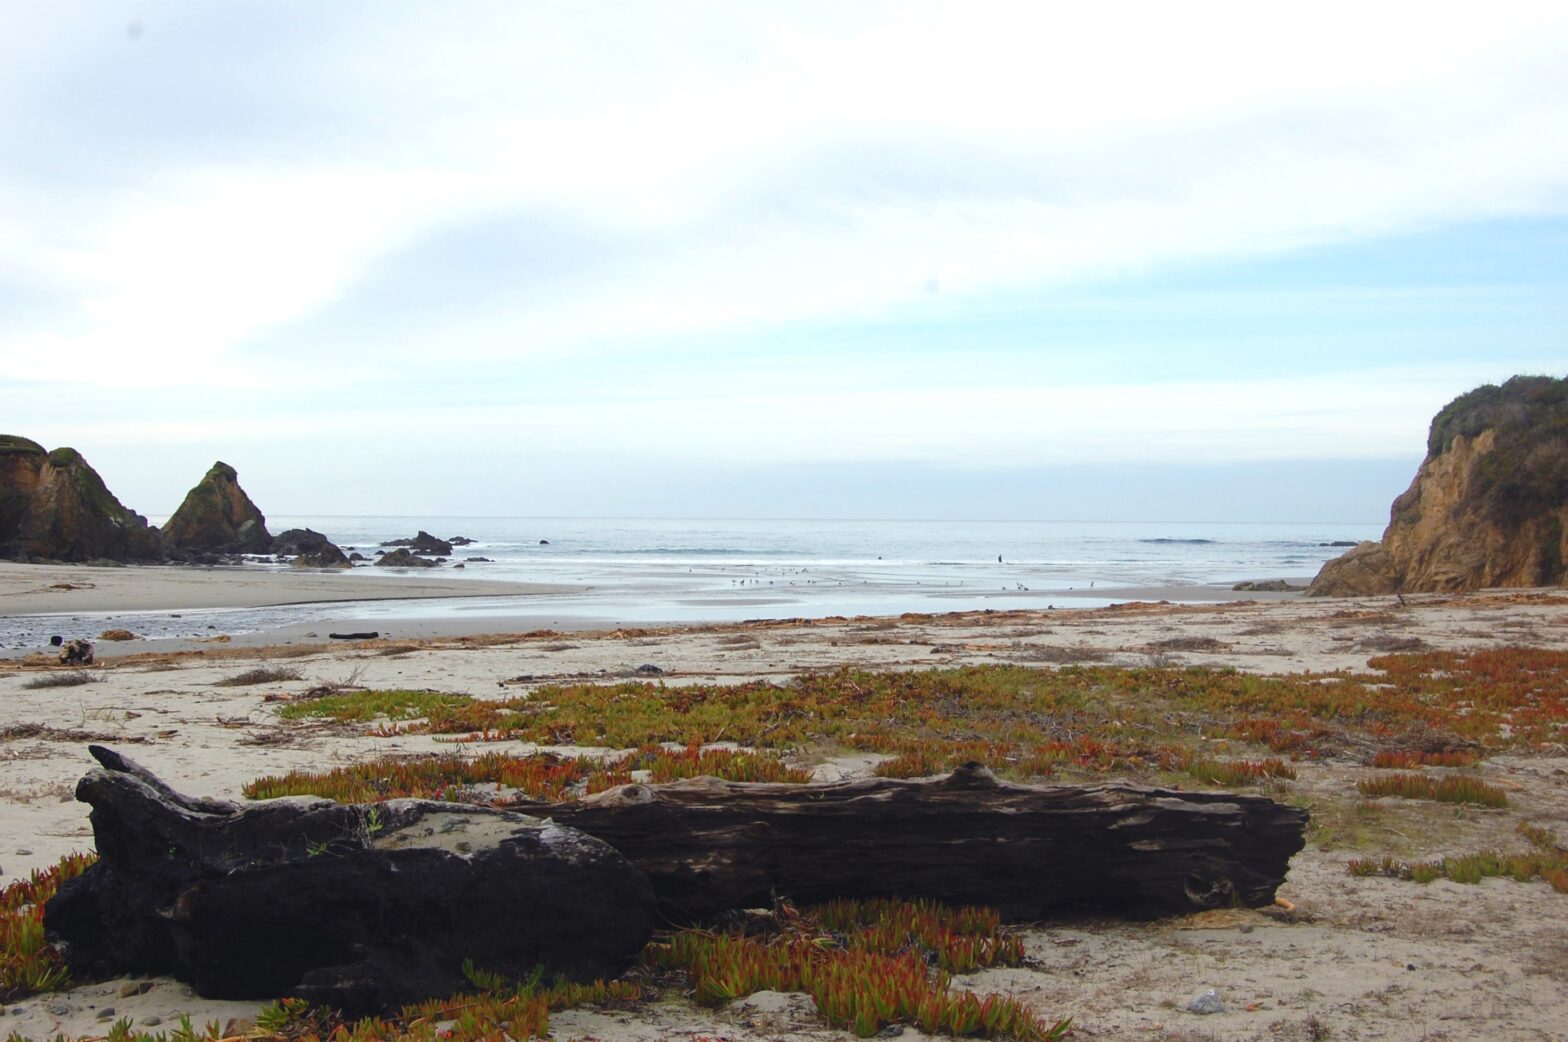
{"x": 54, "y": 505}
{"x": 20, "y": 462}
{"x": 217, "y": 517}
{"x": 1488, "y": 507}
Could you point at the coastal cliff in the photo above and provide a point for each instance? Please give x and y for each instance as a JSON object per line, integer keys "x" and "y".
{"x": 1488, "y": 507}
{"x": 54, "y": 506}
{"x": 217, "y": 517}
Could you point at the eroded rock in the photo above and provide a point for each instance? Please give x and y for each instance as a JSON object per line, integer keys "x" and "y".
{"x": 1488, "y": 507}
{"x": 54, "y": 506}
{"x": 217, "y": 517}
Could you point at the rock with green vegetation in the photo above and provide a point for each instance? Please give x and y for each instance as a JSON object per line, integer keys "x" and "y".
{"x": 54, "y": 506}
{"x": 217, "y": 517}
{"x": 1488, "y": 508}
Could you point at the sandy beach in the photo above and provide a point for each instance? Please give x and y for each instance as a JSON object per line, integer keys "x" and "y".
{"x": 1355, "y": 958}
{"x": 183, "y": 608}
{"x": 31, "y": 589}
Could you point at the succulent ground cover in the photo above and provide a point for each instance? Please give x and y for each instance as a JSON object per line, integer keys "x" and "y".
{"x": 1430, "y": 708}
{"x": 866, "y": 965}
{"x": 1546, "y": 859}
{"x": 27, "y": 964}
{"x": 497, "y": 779}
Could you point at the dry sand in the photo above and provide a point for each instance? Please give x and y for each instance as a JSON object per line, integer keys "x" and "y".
{"x": 1358, "y": 959}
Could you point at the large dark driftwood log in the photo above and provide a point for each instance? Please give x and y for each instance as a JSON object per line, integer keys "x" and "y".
{"x": 1033, "y": 852}
{"x": 360, "y": 908}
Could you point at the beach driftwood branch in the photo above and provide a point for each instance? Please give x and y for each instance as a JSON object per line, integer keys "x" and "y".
{"x": 1032, "y": 851}
{"x": 361, "y": 908}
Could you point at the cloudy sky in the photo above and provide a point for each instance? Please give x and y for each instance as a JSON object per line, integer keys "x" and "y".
{"x": 1157, "y": 262}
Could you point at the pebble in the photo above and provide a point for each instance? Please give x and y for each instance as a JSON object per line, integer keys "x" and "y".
{"x": 23, "y": 852}
{"x": 135, "y": 987}
{"x": 107, "y": 1013}
{"x": 152, "y": 1020}
{"x": 1208, "y": 1002}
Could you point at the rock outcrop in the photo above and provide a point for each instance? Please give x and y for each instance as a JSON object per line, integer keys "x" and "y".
{"x": 402, "y": 558}
{"x": 309, "y": 549}
{"x": 1489, "y": 506}
{"x": 424, "y": 543}
{"x": 217, "y": 517}
{"x": 54, "y": 506}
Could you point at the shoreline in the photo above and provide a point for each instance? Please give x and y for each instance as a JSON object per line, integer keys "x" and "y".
{"x": 180, "y": 608}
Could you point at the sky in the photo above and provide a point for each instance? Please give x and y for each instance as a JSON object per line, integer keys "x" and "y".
{"x": 1115, "y": 261}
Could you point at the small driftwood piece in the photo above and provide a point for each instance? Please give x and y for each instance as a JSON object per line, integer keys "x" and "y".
{"x": 1032, "y": 851}
{"x": 362, "y": 908}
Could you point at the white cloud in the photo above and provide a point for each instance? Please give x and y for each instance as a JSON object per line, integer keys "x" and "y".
{"x": 750, "y": 169}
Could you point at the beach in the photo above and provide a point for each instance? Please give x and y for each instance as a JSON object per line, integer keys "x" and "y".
{"x": 1363, "y": 957}
{"x": 181, "y": 608}
{"x": 31, "y": 589}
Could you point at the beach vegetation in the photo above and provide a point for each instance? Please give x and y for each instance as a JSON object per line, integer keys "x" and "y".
{"x": 28, "y": 963}
{"x": 61, "y": 678}
{"x": 1415, "y": 759}
{"x": 498, "y": 1008}
{"x": 865, "y": 965}
{"x": 695, "y": 761}
{"x": 261, "y": 675}
{"x": 1545, "y": 861}
{"x": 1452, "y": 789}
{"x": 499, "y": 780}
{"x": 365, "y": 706}
{"x": 493, "y": 779}
{"x": 1090, "y": 717}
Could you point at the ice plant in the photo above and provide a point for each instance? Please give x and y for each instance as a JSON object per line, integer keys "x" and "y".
{"x": 1547, "y": 861}
{"x": 28, "y": 964}
{"x": 1452, "y": 789}
{"x": 866, "y": 964}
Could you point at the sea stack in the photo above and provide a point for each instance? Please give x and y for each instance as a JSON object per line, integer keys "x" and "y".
{"x": 1488, "y": 507}
{"x": 217, "y": 517}
{"x": 54, "y": 506}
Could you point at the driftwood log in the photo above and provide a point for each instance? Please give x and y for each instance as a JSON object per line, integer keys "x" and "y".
{"x": 366, "y": 907}
{"x": 362, "y": 908}
{"x": 1031, "y": 851}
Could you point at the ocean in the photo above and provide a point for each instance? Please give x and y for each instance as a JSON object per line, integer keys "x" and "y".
{"x": 648, "y": 571}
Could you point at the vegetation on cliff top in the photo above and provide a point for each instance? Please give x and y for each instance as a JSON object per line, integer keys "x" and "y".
{"x": 1526, "y": 473}
{"x": 17, "y": 443}
{"x": 1522, "y": 402}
